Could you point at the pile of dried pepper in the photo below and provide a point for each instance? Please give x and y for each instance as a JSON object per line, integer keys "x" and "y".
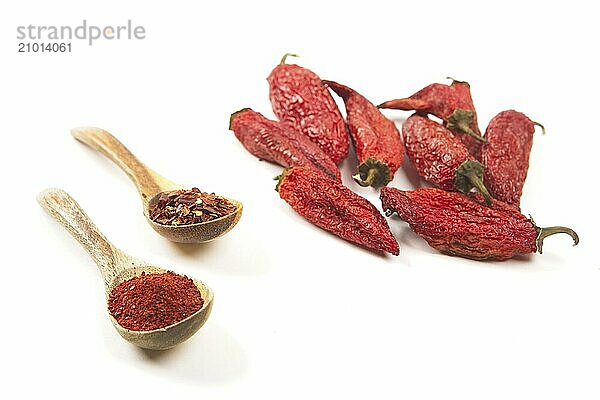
{"x": 311, "y": 138}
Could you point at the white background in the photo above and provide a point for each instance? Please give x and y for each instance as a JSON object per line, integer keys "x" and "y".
{"x": 298, "y": 312}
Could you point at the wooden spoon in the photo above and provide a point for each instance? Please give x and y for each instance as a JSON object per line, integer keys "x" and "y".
{"x": 117, "y": 267}
{"x": 150, "y": 185}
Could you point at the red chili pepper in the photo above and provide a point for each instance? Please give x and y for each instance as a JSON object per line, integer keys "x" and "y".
{"x": 460, "y": 122}
{"x": 451, "y": 103}
{"x": 506, "y": 155}
{"x": 462, "y": 226}
{"x": 441, "y": 158}
{"x": 279, "y": 143}
{"x": 300, "y": 99}
{"x": 335, "y": 208}
{"x": 376, "y": 139}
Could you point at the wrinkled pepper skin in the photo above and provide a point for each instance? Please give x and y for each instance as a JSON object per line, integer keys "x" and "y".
{"x": 506, "y": 155}
{"x": 376, "y": 139}
{"x": 440, "y": 157}
{"x": 335, "y": 208}
{"x": 453, "y": 104}
{"x": 300, "y": 99}
{"x": 461, "y": 225}
{"x": 438, "y": 99}
{"x": 278, "y": 143}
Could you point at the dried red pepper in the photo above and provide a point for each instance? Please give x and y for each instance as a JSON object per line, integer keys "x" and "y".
{"x": 278, "y": 143}
{"x": 506, "y": 155}
{"x": 451, "y": 103}
{"x": 376, "y": 139}
{"x": 460, "y": 122}
{"x": 300, "y": 99}
{"x": 441, "y": 158}
{"x": 462, "y": 226}
{"x": 335, "y": 208}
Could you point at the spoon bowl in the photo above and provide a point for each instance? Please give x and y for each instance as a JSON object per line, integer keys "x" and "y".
{"x": 168, "y": 336}
{"x": 117, "y": 267}
{"x": 196, "y": 233}
{"x": 150, "y": 185}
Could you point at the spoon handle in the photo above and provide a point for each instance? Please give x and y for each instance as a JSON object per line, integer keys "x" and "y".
{"x": 148, "y": 182}
{"x": 65, "y": 210}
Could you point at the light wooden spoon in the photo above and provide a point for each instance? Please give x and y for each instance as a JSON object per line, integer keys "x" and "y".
{"x": 117, "y": 267}
{"x": 150, "y": 185}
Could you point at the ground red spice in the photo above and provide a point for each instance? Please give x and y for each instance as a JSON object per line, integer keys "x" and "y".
{"x": 153, "y": 301}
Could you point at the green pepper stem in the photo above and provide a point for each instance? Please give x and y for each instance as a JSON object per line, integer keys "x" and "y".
{"x": 477, "y": 183}
{"x": 541, "y": 126}
{"x": 461, "y": 121}
{"x": 545, "y": 232}
{"x": 368, "y": 181}
{"x": 373, "y": 172}
{"x": 457, "y": 81}
{"x": 279, "y": 178}
{"x": 466, "y": 129}
{"x": 469, "y": 175}
{"x": 286, "y": 55}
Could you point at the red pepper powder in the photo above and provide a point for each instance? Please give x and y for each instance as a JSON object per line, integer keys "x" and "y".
{"x": 153, "y": 301}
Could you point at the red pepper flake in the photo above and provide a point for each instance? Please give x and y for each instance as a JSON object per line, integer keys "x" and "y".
{"x": 186, "y": 207}
{"x": 154, "y": 301}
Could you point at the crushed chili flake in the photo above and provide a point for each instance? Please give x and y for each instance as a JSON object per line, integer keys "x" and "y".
{"x": 153, "y": 301}
{"x": 186, "y": 207}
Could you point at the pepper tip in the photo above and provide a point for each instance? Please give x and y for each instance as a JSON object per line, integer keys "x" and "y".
{"x": 233, "y": 115}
